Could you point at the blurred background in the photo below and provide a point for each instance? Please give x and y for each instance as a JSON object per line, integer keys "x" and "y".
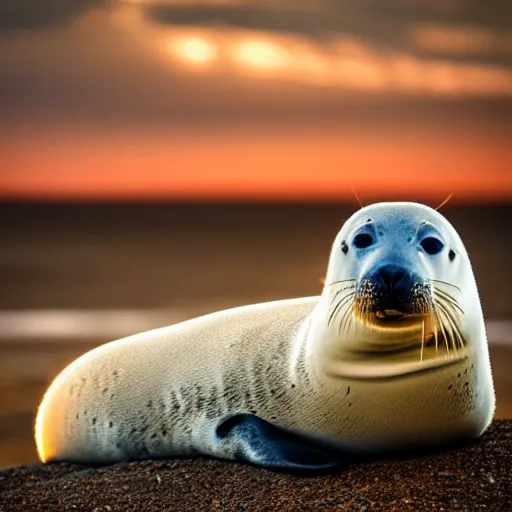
{"x": 163, "y": 159}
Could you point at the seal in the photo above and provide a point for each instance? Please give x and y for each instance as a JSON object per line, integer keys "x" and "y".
{"x": 392, "y": 355}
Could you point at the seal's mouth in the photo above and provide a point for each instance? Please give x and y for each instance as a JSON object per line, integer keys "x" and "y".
{"x": 390, "y": 318}
{"x": 388, "y": 314}
{"x": 393, "y": 336}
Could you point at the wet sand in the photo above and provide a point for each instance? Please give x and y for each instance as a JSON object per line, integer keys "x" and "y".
{"x": 474, "y": 477}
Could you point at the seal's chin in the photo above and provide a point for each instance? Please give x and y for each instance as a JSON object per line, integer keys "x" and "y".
{"x": 372, "y": 370}
{"x": 391, "y": 344}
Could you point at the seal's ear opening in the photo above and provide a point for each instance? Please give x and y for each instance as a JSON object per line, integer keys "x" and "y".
{"x": 260, "y": 442}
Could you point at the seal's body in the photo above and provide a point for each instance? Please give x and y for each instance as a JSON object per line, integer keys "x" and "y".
{"x": 392, "y": 355}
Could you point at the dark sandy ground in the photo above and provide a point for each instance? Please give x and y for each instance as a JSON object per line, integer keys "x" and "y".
{"x": 474, "y": 477}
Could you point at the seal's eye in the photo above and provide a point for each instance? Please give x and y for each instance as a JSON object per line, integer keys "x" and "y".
{"x": 432, "y": 245}
{"x": 363, "y": 240}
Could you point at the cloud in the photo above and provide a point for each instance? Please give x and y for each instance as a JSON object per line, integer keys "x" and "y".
{"x": 344, "y": 63}
{"x": 382, "y": 23}
{"x": 27, "y": 14}
{"x": 463, "y": 41}
{"x": 115, "y": 66}
{"x": 318, "y": 20}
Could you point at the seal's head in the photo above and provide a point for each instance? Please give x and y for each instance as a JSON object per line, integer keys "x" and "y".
{"x": 399, "y": 287}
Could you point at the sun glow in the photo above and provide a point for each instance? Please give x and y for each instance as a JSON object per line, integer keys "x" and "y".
{"x": 262, "y": 54}
{"x": 196, "y": 50}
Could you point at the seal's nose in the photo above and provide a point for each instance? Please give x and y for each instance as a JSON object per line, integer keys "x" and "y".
{"x": 394, "y": 286}
{"x": 394, "y": 280}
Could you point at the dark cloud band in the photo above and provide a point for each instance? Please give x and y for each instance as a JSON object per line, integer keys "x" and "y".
{"x": 27, "y": 14}
{"x": 384, "y": 23}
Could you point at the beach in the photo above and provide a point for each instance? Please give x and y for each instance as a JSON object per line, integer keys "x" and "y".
{"x": 474, "y": 477}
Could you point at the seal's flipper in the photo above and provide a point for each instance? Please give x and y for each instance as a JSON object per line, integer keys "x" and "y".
{"x": 251, "y": 438}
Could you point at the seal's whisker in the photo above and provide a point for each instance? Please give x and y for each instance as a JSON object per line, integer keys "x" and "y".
{"x": 426, "y": 304}
{"x": 341, "y": 301}
{"x": 458, "y": 339}
{"x": 445, "y": 202}
{"x": 368, "y": 313}
{"x": 441, "y": 326}
{"x": 422, "y": 339}
{"x": 454, "y": 328}
{"x": 343, "y": 312}
{"x": 449, "y": 298}
{"x": 346, "y": 316}
{"x": 444, "y": 292}
{"x": 445, "y": 282}
{"x": 341, "y": 281}
{"x": 342, "y": 290}
{"x": 452, "y": 319}
{"x": 459, "y": 343}
{"x": 436, "y": 339}
{"x": 452, "y": 308}
{"x": 350, "y": 322}
{"x": 449, "y": 327}
{"x": 363, "y": 308}
{"x": 338, "y": 305}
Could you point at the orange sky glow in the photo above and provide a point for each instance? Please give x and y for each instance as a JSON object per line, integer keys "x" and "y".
{"x": 220, "y": 111}
{"x": 259, "y": 167}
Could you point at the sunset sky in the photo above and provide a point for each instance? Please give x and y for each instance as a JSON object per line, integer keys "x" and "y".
{"x": 234, "y": 100}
